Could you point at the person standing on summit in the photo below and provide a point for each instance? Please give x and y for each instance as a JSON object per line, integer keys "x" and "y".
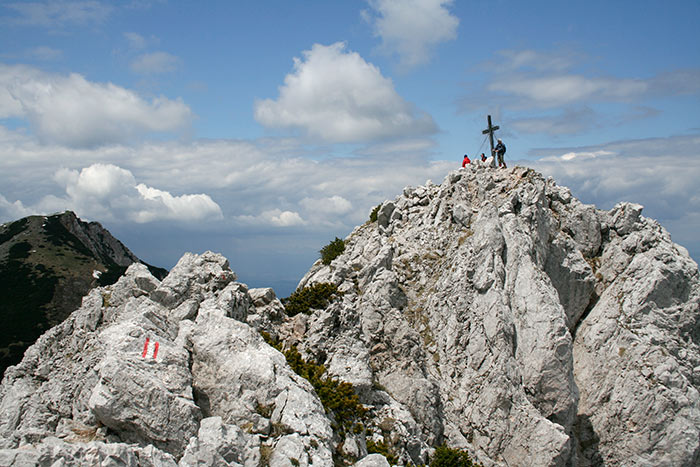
{"x": 466, "y": 160}
{"x": 500, "y": 151}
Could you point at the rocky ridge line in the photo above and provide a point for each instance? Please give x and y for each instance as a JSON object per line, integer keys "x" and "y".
{"x": 501, "y": 314}
{"x": 95, "y": 389}
{"x": 494, "y": 312}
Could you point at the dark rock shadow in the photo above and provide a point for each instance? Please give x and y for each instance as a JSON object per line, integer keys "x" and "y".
{"x": 586, "y": 443}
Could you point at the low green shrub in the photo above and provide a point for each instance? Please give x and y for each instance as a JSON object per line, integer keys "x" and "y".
{"x": 338, "y": 398}
{"x": 19, "y": 250}
{"x": 448, "y": 457}
{"x": 381, "y": 448}
{"x": 374, "y": 213}
{"x": 305, "y": 299}
{"x": 332, "y": 250}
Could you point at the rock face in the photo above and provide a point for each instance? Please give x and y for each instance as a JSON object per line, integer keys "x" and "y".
{"x": 497, "y": 312}
{"x": 493, "y": 312}
{"x": 156, "y": 373}
{"x": 47, "y": 265}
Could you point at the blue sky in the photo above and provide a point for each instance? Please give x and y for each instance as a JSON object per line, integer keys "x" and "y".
{"x": 264, "y": 129}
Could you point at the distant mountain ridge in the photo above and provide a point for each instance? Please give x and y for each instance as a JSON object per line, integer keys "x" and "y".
{"x": 47, "y": 264}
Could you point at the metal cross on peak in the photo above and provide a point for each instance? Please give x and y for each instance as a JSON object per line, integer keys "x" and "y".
{"x": 490, "y": 131}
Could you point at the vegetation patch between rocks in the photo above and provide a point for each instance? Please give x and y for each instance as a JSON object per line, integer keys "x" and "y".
{"x": 380, "y": 447}
{"x": 448, "y": 457}
{"x": 12, "y": 229}
{"x": 338, "y": 397}
{"x": 331, "y": 251}
{"x": 305, "y": 299}
{"x": 28, "y": 291}
{"x": 373, "y": 215}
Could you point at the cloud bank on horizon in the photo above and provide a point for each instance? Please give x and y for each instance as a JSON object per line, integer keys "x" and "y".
{"x": 330, "y": 117}
{"x": 108, "y": 192}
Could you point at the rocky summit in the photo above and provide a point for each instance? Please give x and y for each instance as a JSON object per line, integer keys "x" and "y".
{"x": 493, "y": 313}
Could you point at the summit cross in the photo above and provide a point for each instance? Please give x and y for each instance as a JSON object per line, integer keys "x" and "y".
{"x": 490, "y": 131}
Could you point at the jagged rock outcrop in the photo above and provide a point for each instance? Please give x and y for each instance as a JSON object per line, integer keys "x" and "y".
{"x": 156, "y": 373}
{"x": 497, "y": 312}
{"x": 493, "y": 312}
{"x": 47, "y": 265}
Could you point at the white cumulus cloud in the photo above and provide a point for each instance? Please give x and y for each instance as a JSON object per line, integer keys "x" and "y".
{"x": 108, "y": 192}
{"x": 336, "y": 96}
{"x": 99, "y": 182}
{"x": 330, "y": 205}
{"x": 160, "y": 204}
{"x": 273, "y": 217}
{"x": 14, "y": 210}
{"x": 412, "y": 28}
{"x": 72, "y": 111}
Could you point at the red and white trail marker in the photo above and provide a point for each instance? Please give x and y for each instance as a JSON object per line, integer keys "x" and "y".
{"x": 145, "y": 349}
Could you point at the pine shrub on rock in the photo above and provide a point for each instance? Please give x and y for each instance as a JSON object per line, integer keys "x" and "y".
{"x": 448, "y": 457}
{"x": 373, "y": 215}
{"x": 338, "y": 397}
{"x": 380, "y": 447}
{"x": 332, "y": 250}
{"x": 305, "y": 299}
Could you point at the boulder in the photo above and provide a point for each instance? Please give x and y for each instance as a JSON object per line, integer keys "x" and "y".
{"x": 156, "y": 373}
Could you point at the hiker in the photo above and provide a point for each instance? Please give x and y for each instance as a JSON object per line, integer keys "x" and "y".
{"x": 465, "y": 161}
{"x": 483, "y": 157}
{"x": 500, "y": 151}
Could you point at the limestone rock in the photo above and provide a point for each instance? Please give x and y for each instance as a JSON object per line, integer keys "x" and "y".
{"x": 53, "y": 451}
{"x": 499, "y": 314}
{"x": 373, "y": 460}
{"x": 493, "y": 312}
{"x": 220, "y": 444}
{"x": 268, "y": 313}
{"x": 156, "y": 373}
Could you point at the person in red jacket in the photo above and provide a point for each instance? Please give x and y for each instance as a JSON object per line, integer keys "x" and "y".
{"x": 466, "y": 160}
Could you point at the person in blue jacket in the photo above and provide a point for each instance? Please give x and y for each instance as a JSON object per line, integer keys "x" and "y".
{"x": 500, "y": 151}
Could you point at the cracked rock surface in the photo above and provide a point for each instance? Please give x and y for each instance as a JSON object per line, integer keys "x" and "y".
{"x": 498, "y": 313}
{"x": 213, "y": 393}
{"x": 493, "y": 312}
